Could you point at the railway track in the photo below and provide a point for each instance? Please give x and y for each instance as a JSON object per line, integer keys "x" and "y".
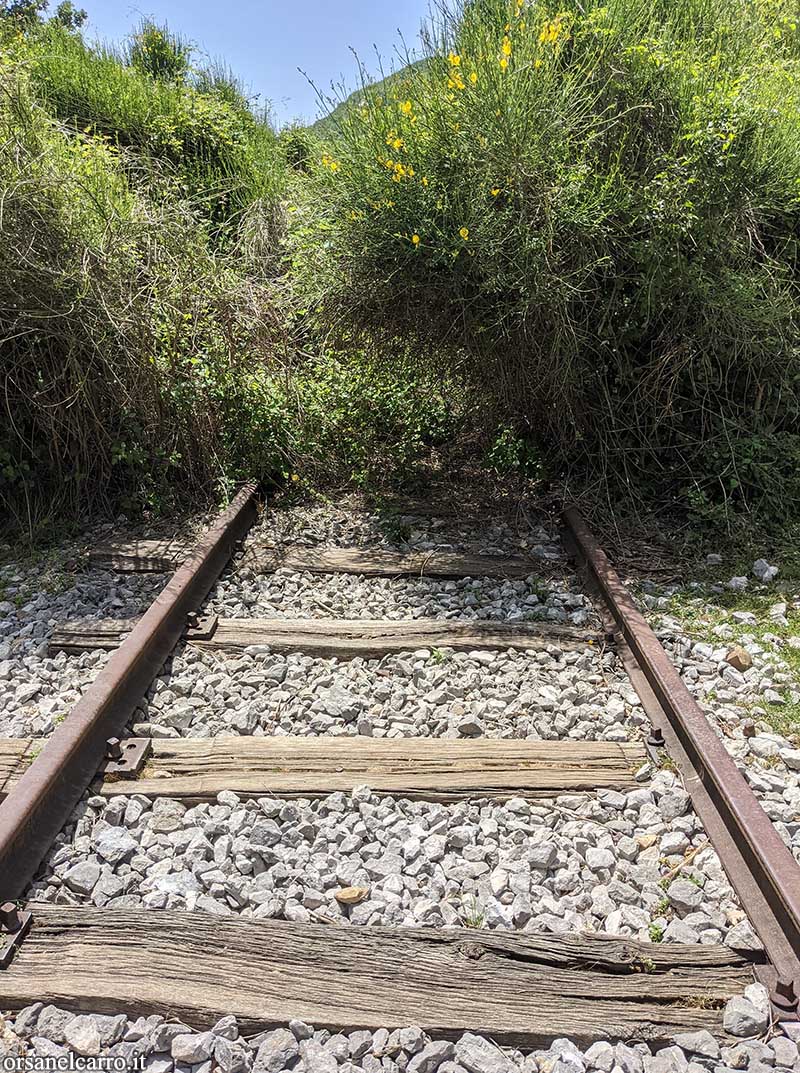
{"x": 104, "y": 803}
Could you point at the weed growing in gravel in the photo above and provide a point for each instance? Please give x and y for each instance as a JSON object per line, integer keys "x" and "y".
{"x": 700, "y": 614}
{"x": 656, "y": 932}
{"x": 473, "y": 913}
{"x": 666, "y": 763}
{"x": 643, "y": 964}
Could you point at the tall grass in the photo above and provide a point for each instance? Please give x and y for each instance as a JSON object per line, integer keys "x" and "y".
{"x": 130, "y": 348}
{"x": 192, "y": 129}
{"x": 599, "y": 204}
{"x": 143, "y": 361}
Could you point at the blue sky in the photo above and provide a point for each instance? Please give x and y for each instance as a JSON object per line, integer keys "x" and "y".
{"x": 266, "y": 42}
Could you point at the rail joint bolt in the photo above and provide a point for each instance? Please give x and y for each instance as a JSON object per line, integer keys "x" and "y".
{"x": 113, "y": 749}
{"x": 784, "y": 995}
{"x": 9, "y": 917}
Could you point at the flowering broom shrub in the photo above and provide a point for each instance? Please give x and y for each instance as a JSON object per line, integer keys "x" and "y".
{"x": 599, "y": 205}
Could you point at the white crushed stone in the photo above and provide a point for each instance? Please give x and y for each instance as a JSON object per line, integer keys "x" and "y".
{"x": 347, "y": 525}
{"x": 286, "y": 594}
{"x": 740, "y": 681}
{"x": 41, "y": 1031}
{"x": 537, "y": 695}
{"x": 38, "y": 690}
{"x": 609, "y": 862}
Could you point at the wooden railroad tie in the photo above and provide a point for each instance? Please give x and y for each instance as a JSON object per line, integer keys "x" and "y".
{"x": 518, "y": 989}
{"x": 154, "y": 556}
{"x": 433, "y": 769}
{"x": 340, "y": 638}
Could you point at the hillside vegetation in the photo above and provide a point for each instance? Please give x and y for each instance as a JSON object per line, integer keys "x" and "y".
{"x": 146, "y": 332}
{"x": 597, "y": 205}
{"x": 563, "y": 242}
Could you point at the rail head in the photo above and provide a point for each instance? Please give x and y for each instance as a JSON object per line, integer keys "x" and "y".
{"x": 41, "y": 802}
{"x": 773, "y": 871}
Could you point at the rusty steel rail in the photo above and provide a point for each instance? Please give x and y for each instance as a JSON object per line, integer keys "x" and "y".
{"x": 761, "y": 868}
{"x": 41, "y": 802}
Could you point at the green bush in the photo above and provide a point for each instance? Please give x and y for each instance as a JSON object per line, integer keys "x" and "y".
{"x": 599, "y": 205}
{"x": 140, "y": 366}
{"x": 372, "y": 420}
{"x": 157, "y": 52}
{"x": 130, "y": 348}
{"x": 209, "y": 146}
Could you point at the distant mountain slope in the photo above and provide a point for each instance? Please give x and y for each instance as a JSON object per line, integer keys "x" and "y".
{"x": 327, "y": 123}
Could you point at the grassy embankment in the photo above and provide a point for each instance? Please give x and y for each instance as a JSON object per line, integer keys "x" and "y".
{"x": 569, "y": 235}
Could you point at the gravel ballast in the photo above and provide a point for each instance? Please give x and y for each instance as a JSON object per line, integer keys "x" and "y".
{"x": 609, "y": 862}
{"x": 38, "y": 690}
{"x": 46, "y": 1031}
{"x": 632, "y": 864}
{"x": 513, "y": 694}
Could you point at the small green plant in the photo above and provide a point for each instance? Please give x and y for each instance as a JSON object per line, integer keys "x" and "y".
{"x": 473, "y": 913}
{"x": 158, "y": 52}
{"x": 395, "y": 530}
{"x": 511, "y": 453}
{"x": 643, "y": 964}
{"x": 656, "y": 932}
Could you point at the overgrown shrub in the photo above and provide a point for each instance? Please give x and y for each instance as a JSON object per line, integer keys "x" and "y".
{"x": 140, "y": 366}
{"x": 599, "y": 204}
{"x": 128, "y": 346}
{"x": 201, "y": 137}
{"x": 371, "y": 419}
{"x": 159, "y": 53}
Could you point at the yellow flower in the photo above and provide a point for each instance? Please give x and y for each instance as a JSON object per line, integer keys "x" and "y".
{"x": 398, "y": 143}
{"x": 455, "y": 81}
{"x": 405, "y": 107}
{"x": 504, "y": 62}
{"x": 495, "y": 191}
{"x": 295, "y": 476}
{"x": 424, "y": 181}
{"x": 473, "y": 78}
{"x": 506, "y": 46}
{"x": 415, "y": 239}
{"x": 551, "y": 31}
{"x": 455, "y": 59}
{"x": 464, "y": 232}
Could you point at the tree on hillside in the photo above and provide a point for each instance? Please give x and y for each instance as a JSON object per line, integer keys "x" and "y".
{"x": 27, "y": 13}
{"x": 69, "y": 16}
